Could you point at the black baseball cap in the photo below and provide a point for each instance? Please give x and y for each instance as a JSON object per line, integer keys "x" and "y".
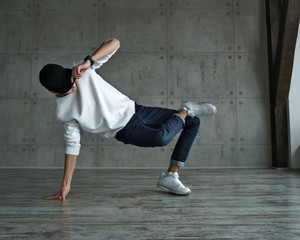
{"x": 56, "y": 78}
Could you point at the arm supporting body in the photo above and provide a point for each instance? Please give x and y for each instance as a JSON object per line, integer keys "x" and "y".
{"x": 72, "y": 128}
{"x": 70, "y": 163}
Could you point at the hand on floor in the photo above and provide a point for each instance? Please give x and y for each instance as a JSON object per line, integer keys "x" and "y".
{"x": 61, "y": 195}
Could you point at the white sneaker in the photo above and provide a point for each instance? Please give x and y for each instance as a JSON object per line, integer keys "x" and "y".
{"x": 195, "y": 109}
{"x": 170, "y": 181}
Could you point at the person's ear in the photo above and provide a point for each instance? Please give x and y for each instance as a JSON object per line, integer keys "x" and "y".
{"x": 53, "y": 92}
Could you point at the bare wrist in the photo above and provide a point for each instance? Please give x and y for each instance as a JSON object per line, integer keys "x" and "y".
{"x": 66, "y": 183}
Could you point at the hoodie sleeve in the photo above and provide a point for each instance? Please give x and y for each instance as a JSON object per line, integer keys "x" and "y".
{"x": 72, "y": 137}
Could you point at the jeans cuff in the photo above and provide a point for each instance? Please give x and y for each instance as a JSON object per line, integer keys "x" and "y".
{"x": 181, "y": 117}
{"x": 178, "y": 163}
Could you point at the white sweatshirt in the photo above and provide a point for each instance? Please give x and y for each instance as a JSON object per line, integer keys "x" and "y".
{"x": 96, "y": 107}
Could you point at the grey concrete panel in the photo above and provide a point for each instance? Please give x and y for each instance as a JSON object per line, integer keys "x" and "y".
{"x": 14, "y": 122}
{"x": 16, "y": 32}
{"x": 102, "y": 141}
{"x": 137, "y": 75}
{"x": 252, "y": 77}
{"x": 15, "y": 75}
{"x": 200, "y": 31}
{"x": 65, "y": 4}
{"x": 14, "y": 156}
{"x": 250, "y": 30}
{"x": 254, "y": 156}
{"x": 253, "y": 118}
{"x": 217, "y": 129}
{"x": 45, "y": 129}
{"x": 137, "y": 30}
{"x": 53, "y": 156}
{"x": 171, "y": 51}
{"x": 248, "y": 3}
{"x": 151, "y": 102}
{"x": 212, "y": 156}
{"x": 192, "y": 4}
{"x": 221, "y": 128}
{"x": 16, "y": 5}
{"x": 132, "y": 4}
{"x": 65, "y": 31}
{"x": 46, "y": 156}
{"x": 89, "y": 139}
{"x": 40, "y": 60}
{"x": 88, "y": 157}
{"x": 201, "y": 75}
{"x": 176, "y": 103}
{"x": 132, "y": 156}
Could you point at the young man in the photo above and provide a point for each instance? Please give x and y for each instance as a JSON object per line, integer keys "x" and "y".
{"x": 85, "y": 100}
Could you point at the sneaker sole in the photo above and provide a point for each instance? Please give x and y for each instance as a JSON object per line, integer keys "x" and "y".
{"x": 171, "y": 191}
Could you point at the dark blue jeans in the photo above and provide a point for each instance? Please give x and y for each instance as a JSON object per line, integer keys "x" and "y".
{"x": 156, "y": 127}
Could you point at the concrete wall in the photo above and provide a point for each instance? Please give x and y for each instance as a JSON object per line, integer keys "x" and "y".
{"x": 171, "y": 51}
{"x": 294, "y": 110}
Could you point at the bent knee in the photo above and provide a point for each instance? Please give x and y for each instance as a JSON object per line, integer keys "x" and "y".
{"x": 161, "y": 140}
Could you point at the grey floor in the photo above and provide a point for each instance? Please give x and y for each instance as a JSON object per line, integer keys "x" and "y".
{"x": 125, "y": 204}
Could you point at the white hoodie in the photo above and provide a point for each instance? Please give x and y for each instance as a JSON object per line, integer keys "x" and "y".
{"x": 96, "y": 107}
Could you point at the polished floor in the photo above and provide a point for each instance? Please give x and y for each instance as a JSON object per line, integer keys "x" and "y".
{"x": 125, "y": 204}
